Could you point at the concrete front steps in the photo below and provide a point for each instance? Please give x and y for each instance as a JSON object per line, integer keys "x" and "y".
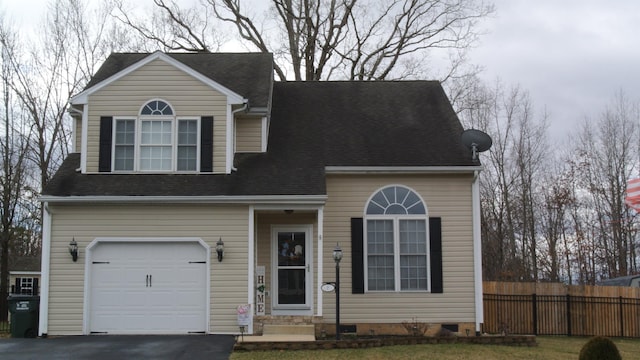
{"x": 282, "y": 333}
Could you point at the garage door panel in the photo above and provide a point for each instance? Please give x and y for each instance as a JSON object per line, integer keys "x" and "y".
{"x": 150, "y": 288}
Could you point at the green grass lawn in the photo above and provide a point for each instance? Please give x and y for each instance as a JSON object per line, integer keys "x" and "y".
{"x": 549, "y": 348}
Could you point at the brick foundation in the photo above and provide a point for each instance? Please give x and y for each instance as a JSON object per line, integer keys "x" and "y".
{"x": 394, "y": 329}
{"x": 524, "y": 340}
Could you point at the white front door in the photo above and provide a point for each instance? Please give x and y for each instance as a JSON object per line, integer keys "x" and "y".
{"x": 148, "y": 288}
{"x": 292, "y": 270}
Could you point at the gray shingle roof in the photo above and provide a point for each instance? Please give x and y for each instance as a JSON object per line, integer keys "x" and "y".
{"x": 351, "y": 123}
{"x": 248, "y": 74}
{"x": 24, "y": 263}
{"x": 313, "y": 125}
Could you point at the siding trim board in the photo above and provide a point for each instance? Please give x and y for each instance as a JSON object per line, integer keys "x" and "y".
{"x": 83, "y": 138}
{"x": 43, "y": 321}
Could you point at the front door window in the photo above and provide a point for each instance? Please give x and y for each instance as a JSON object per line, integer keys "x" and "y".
{"x": 292, "y": 269}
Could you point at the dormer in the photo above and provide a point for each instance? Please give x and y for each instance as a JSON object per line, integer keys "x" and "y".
{"x": 172, "y": 113}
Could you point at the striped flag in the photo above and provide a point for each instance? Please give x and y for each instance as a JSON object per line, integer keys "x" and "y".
{"x": 632, "y": 199}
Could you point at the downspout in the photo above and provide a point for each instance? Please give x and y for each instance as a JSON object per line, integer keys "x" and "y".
{"x": 477, "y": 251}
{"x": 44, "y": 271}
{"x": 232, "y": 149}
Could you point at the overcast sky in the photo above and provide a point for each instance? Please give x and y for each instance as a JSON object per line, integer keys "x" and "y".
{"x": 571, "y": 55}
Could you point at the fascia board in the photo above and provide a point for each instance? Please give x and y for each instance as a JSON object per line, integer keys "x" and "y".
{"x": 261, "y": 199}
{"x": 354, "y": 170}
{"x": 232, "y": 97}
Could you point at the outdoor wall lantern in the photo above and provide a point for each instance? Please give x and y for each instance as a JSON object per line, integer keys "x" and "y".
{"x": 220, "y": 249}
{"x": 73, "y": 249}
{"x": 337, "y": 256}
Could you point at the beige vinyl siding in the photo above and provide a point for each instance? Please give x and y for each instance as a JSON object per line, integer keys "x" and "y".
{"x": 446, "y": 196}
{"x": 265, "y": 222}
{"x": 228, "y": 278}
{"x": 187, "y": 95}
{"x": 249, "y": 135}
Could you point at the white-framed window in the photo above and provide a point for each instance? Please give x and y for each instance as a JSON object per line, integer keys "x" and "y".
{"x": 187, "y": 156}
{"x": 25, "y": 286}
{"x": 156, "y": 140}
{"x": 396, "y": 241}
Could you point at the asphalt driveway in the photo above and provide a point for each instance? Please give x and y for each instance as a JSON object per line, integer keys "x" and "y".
{"x": 107, "y": 347}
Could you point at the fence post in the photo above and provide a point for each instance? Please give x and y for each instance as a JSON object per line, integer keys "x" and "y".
{"x": 534, "y": 308}
{"x": 621, "y": 319}
{"x": 568, "y": 315}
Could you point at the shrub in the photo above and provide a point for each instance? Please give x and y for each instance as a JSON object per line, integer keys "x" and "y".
{"x": 599, "y": 348}
{"x": 415, "y": 328}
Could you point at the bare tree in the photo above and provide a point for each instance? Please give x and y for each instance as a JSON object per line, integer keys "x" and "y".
{"x": 170, "y": 27}
{"x": 511, "y": 182}
{"x": 52, "y": 69}
{"x": 13, "y": 167}
{"x": 611, "y": 151}
{"x": 556, "y": 197}
{"x": 337, "y": 39}
{"x": 39, "y": 75}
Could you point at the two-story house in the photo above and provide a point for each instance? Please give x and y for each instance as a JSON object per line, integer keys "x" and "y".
{"x": 198, "y": 184}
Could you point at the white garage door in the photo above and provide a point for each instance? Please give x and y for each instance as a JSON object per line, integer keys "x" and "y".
{"x": 148, "y": 288}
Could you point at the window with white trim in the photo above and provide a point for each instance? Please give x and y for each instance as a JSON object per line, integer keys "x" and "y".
{"x": 156, "y": 140}
{"x": 25, "y": 286}
{"x": 396, "y": 243}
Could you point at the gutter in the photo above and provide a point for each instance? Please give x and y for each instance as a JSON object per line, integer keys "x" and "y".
{"x": 223, "y": 199}
{"x": 359, "y": 170}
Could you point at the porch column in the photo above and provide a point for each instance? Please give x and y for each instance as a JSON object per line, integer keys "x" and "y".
{"x": 320, "y": 260}
{"x": 252, "y": 266}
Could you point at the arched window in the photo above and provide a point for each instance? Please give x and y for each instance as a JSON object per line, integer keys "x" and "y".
{"x": 396, "y": 244}
{"x": 156, "y": 107}
{"x": 156, "y": 140}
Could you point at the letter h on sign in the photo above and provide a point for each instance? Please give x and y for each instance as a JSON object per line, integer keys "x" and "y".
{"x": 260, "y": 287}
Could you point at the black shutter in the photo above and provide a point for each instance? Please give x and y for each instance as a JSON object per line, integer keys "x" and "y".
{"x": 435, "y": 242}
{"x": 36, "y": 289}
{"x": 357, "y": 256}
{"x": 17, "y": 289}
{"x": 206, "y": 144}
{"x": 104, "y": 151}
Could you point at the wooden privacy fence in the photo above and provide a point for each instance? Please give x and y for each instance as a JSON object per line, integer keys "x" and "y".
{"x": 561, "y": 314}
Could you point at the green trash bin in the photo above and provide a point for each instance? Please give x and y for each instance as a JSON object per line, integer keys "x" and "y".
{"x": 25, "y": 311}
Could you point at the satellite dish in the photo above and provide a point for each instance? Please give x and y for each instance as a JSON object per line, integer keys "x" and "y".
{"x": 477, "y": 141}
